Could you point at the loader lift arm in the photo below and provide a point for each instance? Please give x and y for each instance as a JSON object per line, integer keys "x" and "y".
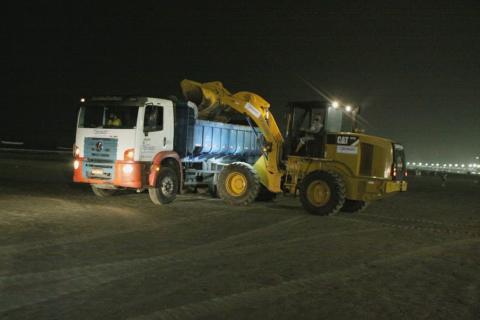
{"x": 212, "y": 98}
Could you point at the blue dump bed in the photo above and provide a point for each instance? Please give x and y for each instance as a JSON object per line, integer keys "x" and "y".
{"x": 223, "y": 141}
{"x": 215, "y": 138}
{"x": 207, "y": 146}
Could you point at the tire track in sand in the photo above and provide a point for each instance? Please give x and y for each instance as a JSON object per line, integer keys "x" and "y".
{"x": 67, "y": 281}
{"x": 260, "y": 296}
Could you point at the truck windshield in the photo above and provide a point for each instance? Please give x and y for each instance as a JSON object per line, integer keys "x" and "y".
{"x": 119, "y": 117}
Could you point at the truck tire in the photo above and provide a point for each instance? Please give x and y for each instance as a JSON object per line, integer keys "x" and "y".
{"x": 354, "y": 206}
{"x": 166, "y": 188}
{"x": 238, "y": 184}
{"x": 103, "y": 193}
{"x": 322, "y": 193}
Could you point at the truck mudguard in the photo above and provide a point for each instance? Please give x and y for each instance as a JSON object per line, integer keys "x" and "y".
{"x": 157, "y": 163}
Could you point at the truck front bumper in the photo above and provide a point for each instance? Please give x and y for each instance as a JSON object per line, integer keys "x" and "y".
{"x": 126, "y": 174}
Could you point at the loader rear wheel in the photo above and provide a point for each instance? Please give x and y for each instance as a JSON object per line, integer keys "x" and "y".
{"x": 238, "y": 184}
{"x": 166, "y": 188}
{"x": 354, "y": 206}
{"x": 103, "y": 193}
{"x": 322, "y": 193}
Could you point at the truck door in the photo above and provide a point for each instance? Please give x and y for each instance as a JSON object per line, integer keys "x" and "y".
{"x": 157, "y": 133}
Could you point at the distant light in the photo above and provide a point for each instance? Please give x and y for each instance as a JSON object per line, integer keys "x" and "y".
{"x": 408, "y": 163}
{"x": 450, "y": 165}
{"x": 420, "y": 164}
{"x": 444, "y": 165}
{"x": 335, "y": 104}
{"x": 456, "y": 164}
{"x": 437, "y": 165}
{"x": 348, "y": 108}
{"x": 414, "y": 164}
{"x": 463, "y": 166}
{"x": 82, "y": 100}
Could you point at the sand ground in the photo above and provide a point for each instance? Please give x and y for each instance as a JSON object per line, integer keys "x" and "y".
{"x": 66, "y": 254}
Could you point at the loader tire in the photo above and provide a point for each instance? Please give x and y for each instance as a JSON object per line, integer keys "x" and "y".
{"x": 238, "y": 184}
{"x": 103, "y": 193}
{"x": 165, "y": 190}
{"x": 322, "y": 193}
{"x": 354, "y": 206}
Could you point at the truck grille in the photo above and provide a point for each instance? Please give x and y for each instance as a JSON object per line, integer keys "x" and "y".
{"x": 100, "y": 155}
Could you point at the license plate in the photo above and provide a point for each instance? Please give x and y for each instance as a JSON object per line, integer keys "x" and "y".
{"x": 97, "y": 172}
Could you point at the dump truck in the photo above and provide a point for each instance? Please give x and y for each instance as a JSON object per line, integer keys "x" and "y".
{"x": 154, "y": 142}
{"x": 232, "y": 144}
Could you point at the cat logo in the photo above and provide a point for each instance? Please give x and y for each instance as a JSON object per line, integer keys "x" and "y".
{"x": 346, "y": 140}
{"x": 342, "y": 140}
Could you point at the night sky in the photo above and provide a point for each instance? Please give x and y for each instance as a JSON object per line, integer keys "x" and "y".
{"x": 414, "y": 68}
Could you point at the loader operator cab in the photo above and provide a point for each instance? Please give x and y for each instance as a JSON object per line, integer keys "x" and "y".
{"x": 308, "y": 123}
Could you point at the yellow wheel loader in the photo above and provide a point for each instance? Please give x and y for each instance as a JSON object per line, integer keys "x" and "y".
{"x": 322, "y": 158}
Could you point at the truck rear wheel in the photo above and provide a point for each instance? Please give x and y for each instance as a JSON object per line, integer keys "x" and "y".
{"x": 103, "y": 193}
{"x": 166, "y": 188}
{"x": 322, "y": 193}
{"x": 238, "y": 184}
{"x": 354, "y": 206}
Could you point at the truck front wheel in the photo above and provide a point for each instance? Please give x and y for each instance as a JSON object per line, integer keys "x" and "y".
{"x": 238, "y": 184}
{"x": 322, "y": 193}
{"x": 165, "y": 190}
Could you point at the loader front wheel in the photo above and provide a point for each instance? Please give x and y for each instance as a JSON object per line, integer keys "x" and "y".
{"x": 238, "y": 184}
{"x": 166, "y": 187}
{"x": 322, "y": 193}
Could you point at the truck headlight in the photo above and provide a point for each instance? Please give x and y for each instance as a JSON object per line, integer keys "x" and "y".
{"x": 127, "y": 169}
{"x": 76, "y": 164}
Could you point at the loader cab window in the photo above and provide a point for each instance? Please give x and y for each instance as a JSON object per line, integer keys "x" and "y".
{"x": 305, "y": 130}
{"x": 339, "y": 121}
{"x": 153, "y": 120}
